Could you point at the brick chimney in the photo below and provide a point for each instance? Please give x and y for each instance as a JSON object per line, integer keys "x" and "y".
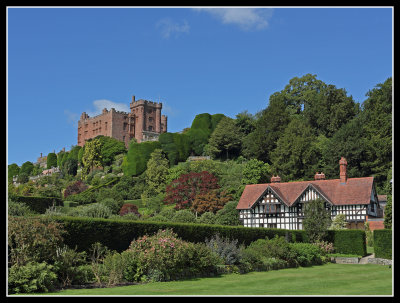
{"x": 343, "y": 170}
{"x": 276, "y": 179}
{"x": 319, "y": 176}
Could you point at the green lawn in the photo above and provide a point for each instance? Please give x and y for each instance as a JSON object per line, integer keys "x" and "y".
{"x": 328, "y": 279}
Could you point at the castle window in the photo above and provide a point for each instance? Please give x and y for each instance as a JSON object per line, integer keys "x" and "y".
{"x": 150, "y": 128}
{"x": 150, "y": 119}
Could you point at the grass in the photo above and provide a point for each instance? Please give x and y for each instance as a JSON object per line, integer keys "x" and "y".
{"x": 328, "y": 279}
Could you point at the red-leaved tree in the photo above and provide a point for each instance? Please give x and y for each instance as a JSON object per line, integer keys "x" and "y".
{"x": 75, "y": 188}
{"x": 183, "y": 190}
{"x": 210, "y": 202}
{"x": 129, "y": 208}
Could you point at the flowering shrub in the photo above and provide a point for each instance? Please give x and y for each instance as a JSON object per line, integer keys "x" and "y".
{"x": 164, "y": 257}
{"x": 32, "y": 239}
{"x": 325, "y": 246}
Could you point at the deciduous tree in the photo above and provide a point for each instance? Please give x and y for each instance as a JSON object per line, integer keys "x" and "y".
{"x": 183, "y": 190}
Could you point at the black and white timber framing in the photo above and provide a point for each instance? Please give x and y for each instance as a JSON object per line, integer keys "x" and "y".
{"x": 270, "y": 211}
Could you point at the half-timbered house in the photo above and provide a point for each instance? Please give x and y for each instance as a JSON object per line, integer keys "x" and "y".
{"x": 281, "y": 204}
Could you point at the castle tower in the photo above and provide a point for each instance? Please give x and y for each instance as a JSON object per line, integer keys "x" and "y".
{"x": 163, "y": 124}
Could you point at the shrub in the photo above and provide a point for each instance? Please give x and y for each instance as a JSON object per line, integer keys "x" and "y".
{"x": 112, "y": 204}
{"x": 305, "y": 254}
{"x": 67, "y": 265}
{"x": 31, "y": 277}
{"x": 129, "y": 208}
{"x": 325, "y": 246}
{"x": 18, "y": 209}
{"x": 164, "y": 257}
{"x": 260, "y": 250}
{"x": 383, "y": 243}
{"x": 75, "y": 188}
{"x": 94, "y": 210}
{"x": 206, "y": 218}
{"x": 113, "y": 268}
{"x": 32, "y": 239}
{"x": 168, "y": 213}
{"x": 225, "y": 248}
{"x": 184, "y": 216}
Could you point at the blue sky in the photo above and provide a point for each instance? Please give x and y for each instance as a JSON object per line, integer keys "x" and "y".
{"x": 63, "y": 61}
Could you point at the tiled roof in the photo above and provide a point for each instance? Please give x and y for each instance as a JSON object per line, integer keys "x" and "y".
{"x": 354, "y": 191}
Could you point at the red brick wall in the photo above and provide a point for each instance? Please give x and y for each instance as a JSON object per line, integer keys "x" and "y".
{"x": 376, "y": 225}
{"x": 145, "y": 116}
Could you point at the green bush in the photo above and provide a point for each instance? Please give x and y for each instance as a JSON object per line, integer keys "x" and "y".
{"x": 164, "y": 257}
{"x": 18, "y": 209}
{"x": 32, "y": 239}
{"x": 257, "y": 256}
{"x": 383, "y": 243}
{"x": 306, "y": 254}
{"x": 68, "y": 266}
{"x": 30, "y": 278}
{"x": 94, "y": 210}
{"x": 184, "y": 216}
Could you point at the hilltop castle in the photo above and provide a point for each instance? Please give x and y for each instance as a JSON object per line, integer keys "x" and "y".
{"x": 144, "y": 123}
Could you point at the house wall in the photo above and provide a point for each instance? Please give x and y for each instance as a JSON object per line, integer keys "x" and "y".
{"x": 291, "y": 217}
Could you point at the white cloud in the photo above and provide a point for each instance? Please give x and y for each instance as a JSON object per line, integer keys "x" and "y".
{"x": 103, "y": 103}
{"x": 245, "y": 18}
{"x": 169, "y": 28}
{"x": 72, "y": 118}
{"x": 99, "y": 105}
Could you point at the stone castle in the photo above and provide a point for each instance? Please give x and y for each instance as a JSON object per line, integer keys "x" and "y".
{"x": 144, "y": 123}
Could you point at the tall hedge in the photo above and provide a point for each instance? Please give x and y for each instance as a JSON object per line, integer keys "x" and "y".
{"x": 176, "y": 146}
{"x": 200, "y": 131}
{"x": 117, "y": 234}
{"x": 348, "y": 241}
{"x": 383, "y": 243}
{"x": 135, "y": 161}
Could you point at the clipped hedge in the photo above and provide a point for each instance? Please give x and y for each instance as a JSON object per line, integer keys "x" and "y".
{"x": 117, "y": 234}
{"x": 348, "y": 241}
{"x": 383, "y": 243}
{"x": 37, "y": 204}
